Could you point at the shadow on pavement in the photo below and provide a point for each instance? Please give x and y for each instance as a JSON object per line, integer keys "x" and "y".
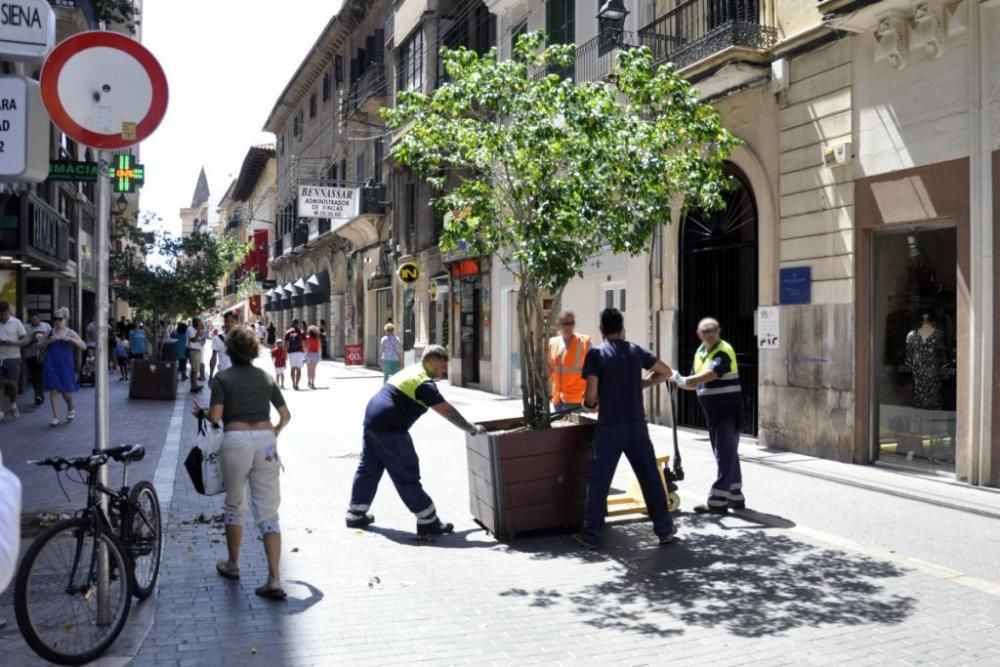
{"x": 750, "y": 583}
{"x": 457, "y": 540}
{"x": 296, "y": 604}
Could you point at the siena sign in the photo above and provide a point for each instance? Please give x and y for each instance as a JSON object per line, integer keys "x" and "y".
{"x": 318, "y": 201}
{"x": 27, "y": 29}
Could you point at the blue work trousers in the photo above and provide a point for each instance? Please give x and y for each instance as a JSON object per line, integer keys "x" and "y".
{"x": 724, "y": 432}
{"x": 392, "y": 453}
{"x": 610, "y": 442}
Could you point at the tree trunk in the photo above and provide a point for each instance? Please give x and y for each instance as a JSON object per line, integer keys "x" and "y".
{"x": 534, "y": 326}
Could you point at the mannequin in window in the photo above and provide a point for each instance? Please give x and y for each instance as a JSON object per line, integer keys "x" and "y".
{"x": 925, "y": 355}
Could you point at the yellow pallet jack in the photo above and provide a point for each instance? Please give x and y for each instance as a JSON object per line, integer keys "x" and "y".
{"x": 631, "y": 502}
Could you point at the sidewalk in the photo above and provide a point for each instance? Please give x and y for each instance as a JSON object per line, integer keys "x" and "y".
{"x": 793, "y": 584}
{"x": 31, "y": 437}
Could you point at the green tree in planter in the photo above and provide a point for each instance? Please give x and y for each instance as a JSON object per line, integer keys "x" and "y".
{"x": 548, "y": 172}
{"x": 165, "y": 277}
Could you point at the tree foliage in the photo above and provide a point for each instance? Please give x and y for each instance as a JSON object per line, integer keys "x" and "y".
{"x": 116, "y": 12}
{"x": 546, "y": 173}
{"x": 166, "y": 277}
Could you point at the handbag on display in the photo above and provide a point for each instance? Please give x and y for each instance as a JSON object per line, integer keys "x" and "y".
{"x": 204, "y": 461}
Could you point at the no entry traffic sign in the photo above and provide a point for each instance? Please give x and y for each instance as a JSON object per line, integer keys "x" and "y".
{"x": 105, "y": 90}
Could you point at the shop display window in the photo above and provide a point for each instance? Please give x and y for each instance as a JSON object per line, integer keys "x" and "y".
{"x": 914, "y": 346}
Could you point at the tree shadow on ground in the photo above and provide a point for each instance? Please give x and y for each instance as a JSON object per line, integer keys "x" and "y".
{"x": 456, "y": 540}
{"x": 749, "y": 583}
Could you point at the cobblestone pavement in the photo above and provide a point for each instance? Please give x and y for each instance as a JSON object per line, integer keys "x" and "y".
{"x": 794, "y": 584}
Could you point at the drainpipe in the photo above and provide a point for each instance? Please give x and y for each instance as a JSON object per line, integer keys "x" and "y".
{"x": 981, "y": 245}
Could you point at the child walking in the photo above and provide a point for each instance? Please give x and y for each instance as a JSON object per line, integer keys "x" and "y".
{"x": 121, "y": 354}
{"x": 279, "y": 356}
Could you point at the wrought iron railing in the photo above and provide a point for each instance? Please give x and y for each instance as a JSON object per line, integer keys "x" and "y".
{"x": 697, "y": 29}
{"x": 370, "y": 84}
{"x": 595, "y": 59}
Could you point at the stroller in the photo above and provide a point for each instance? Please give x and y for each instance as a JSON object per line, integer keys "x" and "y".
{"x": 88, "y": 371}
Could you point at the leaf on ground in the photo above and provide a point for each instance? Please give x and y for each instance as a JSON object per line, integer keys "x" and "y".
{"x": 374, "y": 583}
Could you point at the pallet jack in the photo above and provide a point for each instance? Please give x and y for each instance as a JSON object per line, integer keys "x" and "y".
{"x": 632, "y": 502}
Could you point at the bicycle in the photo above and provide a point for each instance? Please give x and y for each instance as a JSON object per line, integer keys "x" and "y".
{"x": 56, "y": 590}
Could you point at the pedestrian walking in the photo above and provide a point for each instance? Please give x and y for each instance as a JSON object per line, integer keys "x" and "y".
{"x": 261, "y": 332}
{"x": 121, "y": 356}
{"x": 716, "y": 378}
{"x": 58, "y": 369}
{"x": 220, "y": 356}
{"x": 241, "y": 399}
{"x": 137, "y": 341}
{"x": 279, "y": 357}
{"x": 180, "y": 337}
{"x": 387, "y": 445}
{"x": 37, "y": 332}
{"x": 13, "y": 337}
{"x": 272, "y": 334}
{"x": 324, "y": 339}
{"x": 313, "y": 354}
{"x": 195, "y": 343}
{"x": 566, "y": 354}
{"x": 390, "y": 352}
{"x": 614, "y": 371}
{"x": 295, "y": 345}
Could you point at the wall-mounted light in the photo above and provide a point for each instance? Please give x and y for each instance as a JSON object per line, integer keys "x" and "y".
{"x": 612, "y": 10}
{"x": 121, "y": 205}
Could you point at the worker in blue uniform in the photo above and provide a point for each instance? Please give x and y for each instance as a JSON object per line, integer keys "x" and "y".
{"x": 716, "y": 378}
{"x": 614, "y": 373}
{"x": 388, "y": 447}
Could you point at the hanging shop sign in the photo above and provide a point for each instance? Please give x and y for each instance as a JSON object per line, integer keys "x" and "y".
{"x": 22, "y": 116}
{"x": 27, "y": 30}
{"x": 408, "y": 273}
{"x": 320, "y": 201}
{"x": 73, "y": 170}
{"x": 768, "y": 328}
{"x": 125, "y": 174}
{"x": 379, "y": 281}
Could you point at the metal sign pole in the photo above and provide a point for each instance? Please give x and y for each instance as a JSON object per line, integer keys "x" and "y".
{"x": 101, "y": 246}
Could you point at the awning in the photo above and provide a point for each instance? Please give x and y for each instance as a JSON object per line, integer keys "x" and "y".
{"x": 318, "y": 288}
{"x": 298, "y": 292}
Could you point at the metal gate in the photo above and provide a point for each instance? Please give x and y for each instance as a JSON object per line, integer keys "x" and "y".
{"x": 718, "y": 278}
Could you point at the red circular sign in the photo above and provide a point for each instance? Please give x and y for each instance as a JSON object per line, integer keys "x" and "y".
{"x": 104, "y": 90}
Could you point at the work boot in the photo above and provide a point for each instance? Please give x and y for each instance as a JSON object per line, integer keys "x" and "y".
{"x": 359, "y": 520}
{"x": 668, "y": 539}
{"x": 709, "y": 509}
{"x": 436, "y": 528}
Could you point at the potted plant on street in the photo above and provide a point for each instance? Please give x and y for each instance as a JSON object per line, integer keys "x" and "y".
{"x": 544, "y": 173}
{"x": 164, "y": 278}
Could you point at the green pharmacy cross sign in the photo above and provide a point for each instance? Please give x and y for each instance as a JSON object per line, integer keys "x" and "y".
{"x": 126, "y": 175}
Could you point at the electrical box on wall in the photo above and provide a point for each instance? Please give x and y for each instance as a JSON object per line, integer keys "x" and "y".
{"x": 780, "y": 75}
{"x": 838, "y": 155}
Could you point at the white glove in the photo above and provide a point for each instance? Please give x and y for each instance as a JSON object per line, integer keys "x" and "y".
{"x": 676, "y": 378}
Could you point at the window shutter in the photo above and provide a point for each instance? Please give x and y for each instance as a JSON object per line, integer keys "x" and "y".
{"x": 362, "y": 62}
{"x": 354, "y": 70}
{"x": 338, "y": 69}
{"x": 378, "y": 52}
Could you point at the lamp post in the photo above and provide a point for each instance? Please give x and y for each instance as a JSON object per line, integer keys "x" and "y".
{"x": 612, "y": 10}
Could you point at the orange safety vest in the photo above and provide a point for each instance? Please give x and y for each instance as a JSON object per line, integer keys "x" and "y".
{"x": 566, "y": 368}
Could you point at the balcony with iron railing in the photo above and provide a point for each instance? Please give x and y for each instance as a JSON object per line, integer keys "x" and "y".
{"x": 366, "y": 95}
{"x": 595, "y": 59}
{"x": 698, "y": 29}
{"x": 371, "y": 201}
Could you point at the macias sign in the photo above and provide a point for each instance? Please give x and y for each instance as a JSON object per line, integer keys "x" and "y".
{"x": 27, "y": 29}
{"x": 320, "y": 201}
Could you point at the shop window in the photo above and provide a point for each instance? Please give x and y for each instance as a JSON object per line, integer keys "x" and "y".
{"x": 914, "y": 346}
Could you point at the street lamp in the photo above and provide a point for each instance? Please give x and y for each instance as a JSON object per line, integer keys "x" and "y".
{"x": 612, "y": 10}
{"x": 121, "y": 205}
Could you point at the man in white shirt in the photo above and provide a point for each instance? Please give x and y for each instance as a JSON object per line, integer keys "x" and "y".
{"x": 10, "y": 525}
{"x": 12, "y": 338}
{"x": 37, "y": 331}
{"x": 229, "y": 322}
{"x": 195, "y": 338}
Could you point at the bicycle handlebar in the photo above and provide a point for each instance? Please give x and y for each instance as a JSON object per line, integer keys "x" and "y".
{"x": 122, "y": 453}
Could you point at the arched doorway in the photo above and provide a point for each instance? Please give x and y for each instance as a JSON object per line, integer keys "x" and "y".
{"x": 718, "y": 278}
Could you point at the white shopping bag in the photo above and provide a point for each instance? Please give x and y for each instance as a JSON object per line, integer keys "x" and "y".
{"x": 204, "y": 461}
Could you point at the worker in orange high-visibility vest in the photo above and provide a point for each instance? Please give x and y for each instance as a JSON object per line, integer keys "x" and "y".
{"x": 566, "y": 354}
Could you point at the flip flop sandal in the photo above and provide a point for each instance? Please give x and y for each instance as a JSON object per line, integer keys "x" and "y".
{"x": 271, "y": 593}
{"x": 223, "y": 568}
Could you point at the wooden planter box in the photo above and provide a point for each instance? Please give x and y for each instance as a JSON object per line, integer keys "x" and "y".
{"x": 156, "y": 380}
{"x": 529, "y": 480}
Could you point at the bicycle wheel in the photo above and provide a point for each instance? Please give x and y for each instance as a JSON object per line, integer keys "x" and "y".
{"x": 145, "y": 539}
{"x": 55, "y": 596}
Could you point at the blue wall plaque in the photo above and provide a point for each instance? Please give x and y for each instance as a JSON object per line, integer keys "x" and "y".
{"x": 796, "y": 285}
